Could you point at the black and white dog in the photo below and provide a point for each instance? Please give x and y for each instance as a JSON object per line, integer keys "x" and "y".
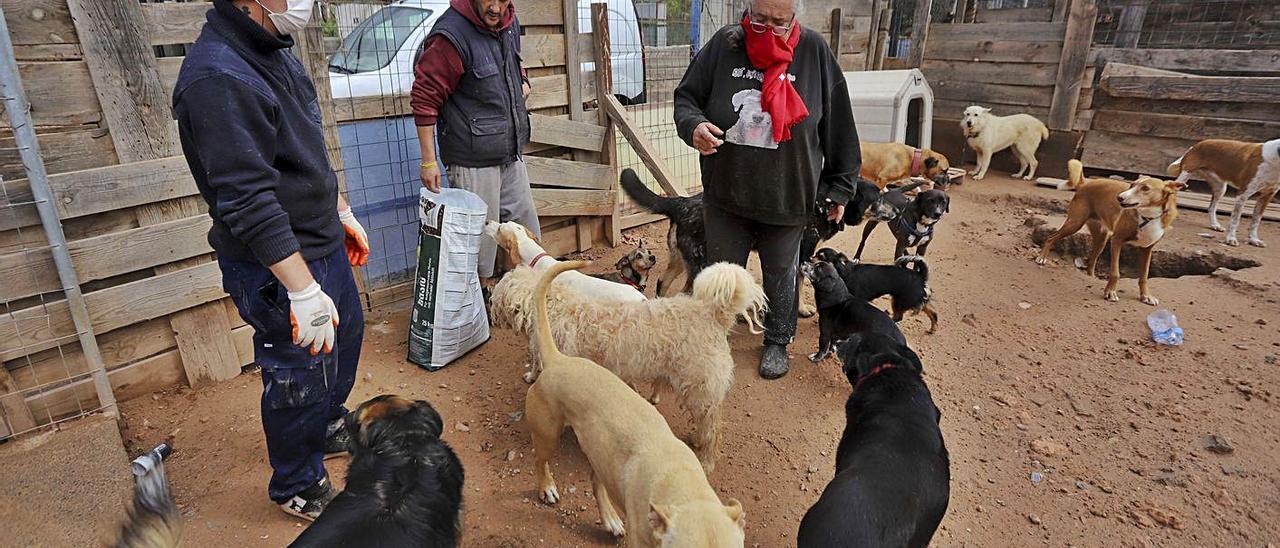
{"x": 840, "y": 314}
{"x": 914, "y": 226}
{"x": 909, "y": 287}
{"x": 893, "y": 475}
{"x": 404, "y": 486}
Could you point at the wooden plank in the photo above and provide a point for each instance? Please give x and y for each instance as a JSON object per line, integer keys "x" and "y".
{"x": 648, "y": 154}
{"x": 27, "y": 273}
{"x": 919, "y": 32}
{"x": 1195, "y": 88}
{"x": 39, "y": 22}
{"x": 1232, "y": 110}
{"x": 60, "y": 93}
{"x": 144, "y": 247}
{"x": 1014, "y": 15}
{"x": 543, "y": 50}
{"x": 566, "y": 133}
{"x": 1131, "y": 153}
{"x": 1003, "y": 32}
{"x": 145, "y": 377}
{"x": 1186, "y": 127}
{"x": 135, "y": 104}
{"x": 638, "y": 219}
{"x": 174, "y": 22}
{"x": 120, "y": 186}
{"x": 120, "y": 347}
{"x": 202, "y": 361}
{"x": 1125, "y": 69}
{"x": 62, "y": 151}
{"x": 568, "y": 174}
{"x": 1071, "y": 70}
{"x": 837, "y": 29}
{"x": 992, "y": 50}
{"x": 541, "y": 12}
{"x": 1129, "y": 27}
{"x": 15, "y": 416}
{"x": 573, "y": 58}
{"x": 984, "y": 93}
{"x": 1214, "y": 60}
{"x": 550, "y": 201}
{"x": 381, "y": 297}
{"x": 601, "y": 48}
{"x": 48, "y": 52}
{"x": 1200, "y": 202}
{"x": 1028, "y": 74}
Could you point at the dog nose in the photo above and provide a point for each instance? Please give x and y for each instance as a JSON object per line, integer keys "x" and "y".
{"x": 1120, "y": 199}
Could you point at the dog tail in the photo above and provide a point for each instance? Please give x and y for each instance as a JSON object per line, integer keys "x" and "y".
{"x": 1075, "y": 173}
{"x": 547, "y": 343}
{"x": 154, "y": 521}
{"x": 731, "y": 289}
{"x": 1175, "y": 169}
{"x": 920, "y": 266}
{"x": 1044, "y": 131}
{"x": 640, "y": 194}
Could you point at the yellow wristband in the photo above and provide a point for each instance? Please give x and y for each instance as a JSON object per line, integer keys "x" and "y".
{"x": 428, "y": 165}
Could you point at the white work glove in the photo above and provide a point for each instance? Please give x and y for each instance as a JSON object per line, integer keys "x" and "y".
{"x": 357, "y": 241}
{"x": 314, "y": 318}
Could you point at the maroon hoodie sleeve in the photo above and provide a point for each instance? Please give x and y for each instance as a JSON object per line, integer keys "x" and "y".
{"x": 435, "y": 77}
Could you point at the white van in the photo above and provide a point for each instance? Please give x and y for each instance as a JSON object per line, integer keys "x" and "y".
{"x": 378, "y": 57}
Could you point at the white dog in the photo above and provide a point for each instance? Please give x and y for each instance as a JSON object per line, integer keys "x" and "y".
{"x": 754, "y": 126}
{"x": 523, "y": 249}
{"x": 680, "y": 342}
{"x": 988, "y": 134}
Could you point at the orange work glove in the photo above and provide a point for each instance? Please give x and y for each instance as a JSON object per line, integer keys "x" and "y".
{"x": 357, "y": 240}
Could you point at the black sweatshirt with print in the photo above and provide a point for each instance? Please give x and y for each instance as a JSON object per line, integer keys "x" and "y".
{"x": 750, "y": 175}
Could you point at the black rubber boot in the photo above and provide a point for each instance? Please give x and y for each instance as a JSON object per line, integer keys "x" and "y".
{"x": 773, "y": 363}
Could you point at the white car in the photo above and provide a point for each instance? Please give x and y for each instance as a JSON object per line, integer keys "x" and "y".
{"x": 378, "y": 57}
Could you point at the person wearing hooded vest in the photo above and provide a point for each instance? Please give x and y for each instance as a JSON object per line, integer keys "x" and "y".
{"x": 469, "y": 92}
{"x": 285, "y": 239}
{"x": 767, "y": 106}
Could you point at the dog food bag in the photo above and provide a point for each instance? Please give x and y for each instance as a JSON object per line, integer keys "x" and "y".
{"x": 448, "y": 317}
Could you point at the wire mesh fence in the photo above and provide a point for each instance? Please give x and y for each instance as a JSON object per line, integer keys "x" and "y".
{"x": 1188, "y": 24}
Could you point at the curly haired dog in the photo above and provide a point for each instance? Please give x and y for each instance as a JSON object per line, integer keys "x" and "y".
{"x": 680, "y": 342}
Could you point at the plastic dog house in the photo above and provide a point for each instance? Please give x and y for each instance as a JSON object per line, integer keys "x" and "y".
{"x": 892, "y": 106}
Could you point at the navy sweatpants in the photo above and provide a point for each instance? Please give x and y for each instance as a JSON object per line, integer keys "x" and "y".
{"x": 301, "y": 394}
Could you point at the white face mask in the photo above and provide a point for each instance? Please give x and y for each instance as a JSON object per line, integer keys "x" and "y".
{"x": 293, "y": 19}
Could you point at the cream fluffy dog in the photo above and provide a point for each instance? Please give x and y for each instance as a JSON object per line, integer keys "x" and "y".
{"x": 988, "y": 134}
{"x": 635, "y": 459}
{"x": 680, "y": 342}
{"x": 523, "y": 249}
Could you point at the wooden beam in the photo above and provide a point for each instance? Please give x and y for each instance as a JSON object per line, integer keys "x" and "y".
{"x": 1129, "y": 27}
{"x": 882, "y": 38}
{"x": 1200, "y": 60}
{"x": 60, "y": 93}
{"x": 1001, "y": 32}
{"x": 174, "y": 22}
{"x": 1060, "y": 10}
{"x": 836, "y": 29}
{"x": 574, "y": 203}
{"x": 573, "y": 58}
{"x": 601, "y": 52}
{"x": 119, "y": 348}
{"x": 919, "y": 32}
{"x": 1195, "y": 128}
{"x": 1071, "y": 69}
{"x": 991, "y": 51}
{"x": 1195, "y": 88}
{"x": 641, "y": 144}
{"x": 568, "y": 174}
{"x": 15, "y": 416}
{"x": 567, "y": 133}
{"x": 120, "y": 186}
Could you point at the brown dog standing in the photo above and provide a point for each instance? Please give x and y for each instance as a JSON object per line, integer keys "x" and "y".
{"x": 885, "y": 163}
{"x": 1253, "y": 168}
{"x": 1124, "y": 213}
{"x": 634, "y": 456}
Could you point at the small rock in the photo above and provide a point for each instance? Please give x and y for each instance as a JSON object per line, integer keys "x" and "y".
{"x": 1081, "y": 485}
{"x": 1222, "y": 497}
{"x": 1047, "y": 447}
{"x": 1002, "y": 399}
{"x": 472, "y": 372}
{"x": 515, "y": 416}
{"x": 970, "y": 320}
{"x": 461, "y": 427}
{"x": 1241, "y": 346}
{"x": 1171, "y": 479}
{"x": 1037, "y": 477}
{"x": 1232, "y": 470}
{"x": 1024, "y": 305}
{"x": 1217, "y": 444}
{"x": 1206, "y": 235}
{"x": 1034, "y": 519}
{"x": 401, "y": 370}
{"x": 1271, "y": 359}
{"x": 1081, "y": 406}
{"x": 511, "y": 455}
{"x": 457, "y": 399}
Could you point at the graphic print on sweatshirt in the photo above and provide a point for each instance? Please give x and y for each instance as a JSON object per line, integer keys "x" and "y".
{"x": 754, "y": 127}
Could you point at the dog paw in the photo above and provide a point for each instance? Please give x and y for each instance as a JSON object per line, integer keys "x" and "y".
{"x": 1026, "y": 177}
{"x": 815, "y": 358}
{"x": 1150, "y": 300}
{"x": 1042, "y": 260}
{"x": 806, "y": 310}
{"x": 550, "y": 495}
{"x": 1257, "y": 243}
{"x": 972, "y": 173}
{"x": 529, "y": 377}
{"x": 1112, "y": 296}
{"x": 1232, "y": 241}
{"x": 1217, "y": 228}
{"x": 614, "y": 526}
{"x": 978, "y": 177}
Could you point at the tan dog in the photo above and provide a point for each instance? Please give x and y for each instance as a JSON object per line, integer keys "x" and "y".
{"x": 1137, "y": 214}
{"x": 886, "y": 163}
{"x": 988, "y": 134}
{"x": 523, "y": 248}
{"x": 633, "y": 268}
{"x": 635, "y": 458}
{"x": 1253, "y": 168}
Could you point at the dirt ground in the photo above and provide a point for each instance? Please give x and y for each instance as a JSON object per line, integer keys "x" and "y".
{"x": 1065, "y": 424}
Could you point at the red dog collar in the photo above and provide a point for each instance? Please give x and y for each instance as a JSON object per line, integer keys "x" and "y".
{"x": 917, "y": 163}
{"x": 872, "y": 373}
{"x": 536, "y": 258}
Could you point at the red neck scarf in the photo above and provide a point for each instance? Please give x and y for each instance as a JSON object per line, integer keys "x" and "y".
{"x": 778, "y": 97}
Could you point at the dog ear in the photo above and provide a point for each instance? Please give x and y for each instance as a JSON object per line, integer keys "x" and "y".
{"x": 432, "y": 417}
{"x": 946, "y": 203}
{"x": 736, "y": 513}
{"x": 930, "y": 162}
{"x": 532, "y": 236}
{"x": 623, "y": 262}
{"x": 985, "y": 110}
{"x": 659, "y": 518}
{"x": 848, "y": 355}
{"x": 1174, "y": 186}
{"x": 910, "y": 356}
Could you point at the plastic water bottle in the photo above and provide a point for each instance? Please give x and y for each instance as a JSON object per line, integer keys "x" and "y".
{"x": 1164, "y": 328}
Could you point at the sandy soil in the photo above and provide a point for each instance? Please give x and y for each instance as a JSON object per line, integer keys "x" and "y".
{"x": 1066, "y": 425}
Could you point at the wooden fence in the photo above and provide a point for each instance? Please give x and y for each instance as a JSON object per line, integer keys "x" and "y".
{"x": 136, "y": 226}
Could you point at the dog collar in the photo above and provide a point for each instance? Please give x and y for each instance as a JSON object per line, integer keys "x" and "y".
{"x": 873, "y": 372}
{"x": 536, "y": 258}
{"x": 912, "y": 231}
{"x": 917, "y": 162}
{"x": 633, "y": 283}
{"x": 1145, "y": 221}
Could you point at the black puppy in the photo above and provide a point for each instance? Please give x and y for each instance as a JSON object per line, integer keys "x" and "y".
{"x": 909, "y": 287}
{"x": 914, "y": 227}
{"x": 840, "y": 314}
{"x": 893, "y": 474}
{"x": 404, "y": 486}
{"x": 687, "y": 237}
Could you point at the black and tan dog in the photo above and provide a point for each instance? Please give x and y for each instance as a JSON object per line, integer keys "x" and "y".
{"x": 840, "y": 314}
{"x": 633, "y": 268}
{"x": 893, "y": 473}
{"x": 914, "y": 226}
{"x": 404, "y": 486}
{"x": 909, "y": 287}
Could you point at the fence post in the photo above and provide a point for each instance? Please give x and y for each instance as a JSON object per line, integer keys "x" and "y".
{"x": 1071, "y": 67}
{"x": 919, "y": 33}
{"x": 602, "y": 54}
{"x": 836, "y": 23}
{"x": 573, "y": 59}
{"x": 24, "y": 135}
{"x": 1129, "y": 27}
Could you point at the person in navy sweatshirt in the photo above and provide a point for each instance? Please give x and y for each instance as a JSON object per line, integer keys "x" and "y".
{"x": 286, "y": 241}
{"x": 766, "y": 105}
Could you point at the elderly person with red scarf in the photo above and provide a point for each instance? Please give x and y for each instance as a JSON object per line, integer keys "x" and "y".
{"x": 766, "y": 105}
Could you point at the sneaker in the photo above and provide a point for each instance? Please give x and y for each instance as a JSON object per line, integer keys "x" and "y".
{"x": 310, "y": 503}
{"x": 338, "y": 441}
{"x": 773, "y": 363}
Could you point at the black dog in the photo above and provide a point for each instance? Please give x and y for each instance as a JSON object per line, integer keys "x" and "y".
{"x": 840, "y": 314}
{"x": 909, "y": 287}
{"x": 891, "y": 203}
{"x": 404, "y": 486}
{"x": 914, "y": 227}
{"x": 687, "y": 237}
{"x": 893, "y": 474}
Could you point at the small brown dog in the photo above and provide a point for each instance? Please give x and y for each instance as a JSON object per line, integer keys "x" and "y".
{"x": 633, "y": 268}
{"x": 1253, "y": 168}
{"x": 635, "y": 459}
{"x": 886, "y": 163}
{"x": 1137, "y": 213}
